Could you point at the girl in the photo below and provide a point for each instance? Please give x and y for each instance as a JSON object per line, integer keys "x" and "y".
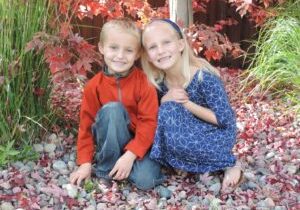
{"x": 196, "y": 124}
{"x": 118, "y": 114}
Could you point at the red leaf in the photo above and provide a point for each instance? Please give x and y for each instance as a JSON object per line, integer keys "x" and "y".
{"x": 212, "y": 54}
{"x": 218, "y": 27}
{"x": 44, "y": 161}
{"x": 18, "y": 180}
{"x": 83, "y": 65}
{"x": 65, "y": 30}
{"x": 39, "y": 91}
{"x": 71, "y": 202}
{"x": 24, "y": 203}
{"x": 10, "y": 197}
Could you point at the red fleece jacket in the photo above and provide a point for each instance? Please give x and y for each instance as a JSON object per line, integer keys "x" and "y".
{"x": 139, "y": 98}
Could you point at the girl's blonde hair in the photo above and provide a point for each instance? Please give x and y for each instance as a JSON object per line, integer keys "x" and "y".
{"x": 122, "y": 24}
{"x": 156, "y": 75}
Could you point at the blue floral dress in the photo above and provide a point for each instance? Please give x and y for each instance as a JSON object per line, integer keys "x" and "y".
{"x": 184, "y": 141}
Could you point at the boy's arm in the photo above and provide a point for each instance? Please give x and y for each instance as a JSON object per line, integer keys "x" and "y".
{"x": 89, "y": 107}
{"x": 85, "y": 143}
{"x": 146, "y": 120}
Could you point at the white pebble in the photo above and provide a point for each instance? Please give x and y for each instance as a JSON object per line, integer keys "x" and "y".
{"x": 49, "y": 148}
{"x": 38, "y": 148}
{"x": 71, "y": 190}
{"x": 59, "y": 165}
{"x": 6, "y": 206}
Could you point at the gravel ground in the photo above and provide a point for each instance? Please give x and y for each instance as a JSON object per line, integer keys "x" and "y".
{"x": 267, "y": 144}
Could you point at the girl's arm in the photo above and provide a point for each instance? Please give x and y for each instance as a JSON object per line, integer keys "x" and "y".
{"x": 212, "y": 90}
{"x": 201, "y": 112}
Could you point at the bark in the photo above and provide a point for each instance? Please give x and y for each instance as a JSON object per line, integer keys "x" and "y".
{"x": 181, "y": 11}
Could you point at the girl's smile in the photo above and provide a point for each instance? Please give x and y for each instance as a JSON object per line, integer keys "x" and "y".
{"x": 163, "y": 50}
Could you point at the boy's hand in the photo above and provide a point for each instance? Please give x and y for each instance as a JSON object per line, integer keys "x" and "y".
{"x": 83, "y": 172}
{"x": 123, "y": 166}
{"x": 178, "y": 95}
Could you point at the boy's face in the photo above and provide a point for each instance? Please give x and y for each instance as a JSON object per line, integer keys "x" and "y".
{"x": 120, "y": 49}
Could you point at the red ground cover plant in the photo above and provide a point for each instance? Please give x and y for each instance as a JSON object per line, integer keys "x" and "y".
{"x": 70, "y": 57}
{"x": 267, "y": 145}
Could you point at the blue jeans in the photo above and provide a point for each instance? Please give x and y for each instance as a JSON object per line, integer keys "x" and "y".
{"x": 111, "y": 134}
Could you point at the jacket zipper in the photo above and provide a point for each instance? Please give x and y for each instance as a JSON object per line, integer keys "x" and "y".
{"x": 119, "y": 89}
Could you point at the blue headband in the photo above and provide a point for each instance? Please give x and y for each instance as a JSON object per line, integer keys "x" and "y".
{"x": 174, "y": 25}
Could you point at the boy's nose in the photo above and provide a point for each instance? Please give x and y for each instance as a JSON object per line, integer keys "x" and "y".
{"x": 120, "y": 54}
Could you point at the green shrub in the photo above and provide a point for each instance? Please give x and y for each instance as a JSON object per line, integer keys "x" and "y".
{"x": 24, "y": 78}
{"x": 276, "y": 63}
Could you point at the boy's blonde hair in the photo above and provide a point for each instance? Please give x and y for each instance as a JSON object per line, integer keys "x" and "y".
{"x": 122, "y": 24}
{"x": 156, "y": 75}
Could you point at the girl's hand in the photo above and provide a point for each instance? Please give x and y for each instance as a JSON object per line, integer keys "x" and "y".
{"x": 83, "y": 172}
{"x": 178, "y": 95}
{"x": 123, "y": 166}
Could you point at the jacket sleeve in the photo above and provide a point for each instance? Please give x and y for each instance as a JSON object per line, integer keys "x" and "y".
{"x": 89, "y": 107}
{"x": 146, "y": 120}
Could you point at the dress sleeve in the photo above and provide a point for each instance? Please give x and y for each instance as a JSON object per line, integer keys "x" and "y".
{"x": 217, "y": 100}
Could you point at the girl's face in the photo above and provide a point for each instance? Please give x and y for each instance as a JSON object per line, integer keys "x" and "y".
{"x": 120, "y": 49}
{"x": 162, "y": 45}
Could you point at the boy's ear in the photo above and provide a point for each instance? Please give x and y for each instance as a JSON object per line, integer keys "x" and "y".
{"x": 100, "y": 47}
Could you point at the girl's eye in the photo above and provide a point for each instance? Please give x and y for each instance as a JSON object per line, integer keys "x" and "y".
{"x": 129, "y": 50}
{"x": 151, "y": 47}
{"x": 167, "y": 42}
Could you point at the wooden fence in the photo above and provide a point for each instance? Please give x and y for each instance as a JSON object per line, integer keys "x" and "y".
{"x": 217, "y": 10}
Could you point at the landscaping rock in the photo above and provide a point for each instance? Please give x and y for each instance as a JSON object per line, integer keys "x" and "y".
{"x": 7, "y": 206}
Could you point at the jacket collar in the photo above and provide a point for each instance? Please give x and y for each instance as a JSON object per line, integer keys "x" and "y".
{"x": 116, "y": 75}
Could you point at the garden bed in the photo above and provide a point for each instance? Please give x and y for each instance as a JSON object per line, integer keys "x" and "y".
{"x": 267, "y": 145}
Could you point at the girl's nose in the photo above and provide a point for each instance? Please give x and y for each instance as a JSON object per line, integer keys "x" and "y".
{"x": 160, "y": 49}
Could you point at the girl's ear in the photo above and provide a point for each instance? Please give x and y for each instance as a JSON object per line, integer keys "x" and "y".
{"x": 146, "y": 56}
{"x": 100, "y": 47}
{"x": 138, "y": 54}
{"x": 181, "y": 45}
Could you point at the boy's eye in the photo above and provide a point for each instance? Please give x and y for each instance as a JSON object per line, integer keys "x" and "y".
{"x": 113, "y": 47}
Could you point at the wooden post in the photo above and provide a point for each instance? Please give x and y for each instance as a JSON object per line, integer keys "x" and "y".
{"x": 181, "y": 11}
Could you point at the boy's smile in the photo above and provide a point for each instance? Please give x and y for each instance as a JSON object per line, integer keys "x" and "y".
{"x": 120, "y": 50}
